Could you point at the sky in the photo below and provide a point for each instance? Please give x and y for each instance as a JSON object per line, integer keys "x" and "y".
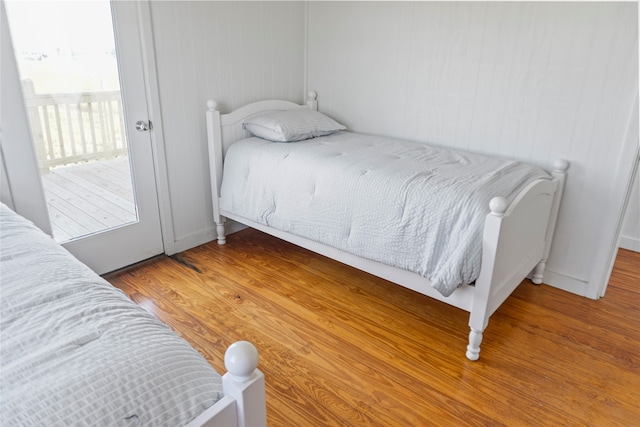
{"x": 45, "y": 26}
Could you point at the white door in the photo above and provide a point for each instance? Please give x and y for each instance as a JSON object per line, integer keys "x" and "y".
{"x": 81, "y": 66}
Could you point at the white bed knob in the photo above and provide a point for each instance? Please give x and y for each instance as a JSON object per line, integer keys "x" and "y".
{"x": 212, "y": 105}
{"x": 498, "y": 206}
{"x": 241, "y": 360}
{"x": 560, "y": 165}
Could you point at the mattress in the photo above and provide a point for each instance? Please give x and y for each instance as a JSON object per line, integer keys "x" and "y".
{"x": 77, "y": 351}
{"x": 410, "y": 205}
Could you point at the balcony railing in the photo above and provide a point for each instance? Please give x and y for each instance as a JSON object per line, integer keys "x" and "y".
{"x": 75, "y": 127}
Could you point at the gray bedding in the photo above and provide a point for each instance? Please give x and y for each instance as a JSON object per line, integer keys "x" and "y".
{"x": 74, "y": 350}
{"x": 413, "y": 206}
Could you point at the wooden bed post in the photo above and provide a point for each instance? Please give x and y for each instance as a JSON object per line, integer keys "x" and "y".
{"x": 559, "y": 174}
{"x": 245, "y": 383}
{"x": 214, "y": 142}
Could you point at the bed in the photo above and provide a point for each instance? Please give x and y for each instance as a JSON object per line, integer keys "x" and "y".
{"x": 77, "y": 351}
{"x": 463, "y": 228}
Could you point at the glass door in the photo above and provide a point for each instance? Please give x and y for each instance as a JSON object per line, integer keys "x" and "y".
{"x": 69, "y": 74}
{"x": 82, "y": 92}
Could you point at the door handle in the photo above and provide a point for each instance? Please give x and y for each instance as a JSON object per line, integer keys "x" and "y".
{"x": 142, "y": 126}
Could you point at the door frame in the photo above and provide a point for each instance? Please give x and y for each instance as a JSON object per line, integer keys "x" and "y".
{"x": 626, "y": 172}
{"x": 21, "y": 188}
{"x": 127, "y": 26}
{"x": 149, "y": 65}
{"x": 23, "y": 181}
{"x": 625, "y": 176}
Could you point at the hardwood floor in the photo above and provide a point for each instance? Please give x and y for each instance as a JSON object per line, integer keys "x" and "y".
{"x": 339, "y": 347}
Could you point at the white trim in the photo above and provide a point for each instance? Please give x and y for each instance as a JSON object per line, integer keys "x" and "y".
{"x": 619, "y": 197}
{"x": 5, "y": 189}
{"x": 157, "y": 134}
{"x": 205, "y": 236}
{"x": 624, "y": 179}
{"x": 630, "y": 243}
{"x": 20, "y": 164}
{"x": 192, "y": 240}
{"x": 567, "y": 283}
{"x": 305, "y": 83}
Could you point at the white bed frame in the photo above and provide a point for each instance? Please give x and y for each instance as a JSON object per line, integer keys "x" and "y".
{"x": 516, "y": 240}
{"x": 243, "y": 404}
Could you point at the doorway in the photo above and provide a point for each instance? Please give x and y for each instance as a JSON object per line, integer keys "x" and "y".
{"x": 83, "y": 86}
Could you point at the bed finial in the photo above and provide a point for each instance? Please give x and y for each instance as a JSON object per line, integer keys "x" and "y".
{"x": 560, "y": 166}
{"x": 212, "y": 105}
{"x": 498, "y": 206}
{"x": 241, "y": 360}
{"x": 312, "y": 100}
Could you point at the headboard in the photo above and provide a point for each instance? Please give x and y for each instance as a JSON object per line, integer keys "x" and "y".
{"x": 230, "y": 124}
{"x": 225, "y": 129}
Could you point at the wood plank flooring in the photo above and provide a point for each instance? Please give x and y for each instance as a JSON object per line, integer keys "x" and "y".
{"x": 339, "y": 347}
{"x": 88, "y": 198}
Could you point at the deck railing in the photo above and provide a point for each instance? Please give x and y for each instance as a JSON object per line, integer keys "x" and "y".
{"x": 74, "y": 127}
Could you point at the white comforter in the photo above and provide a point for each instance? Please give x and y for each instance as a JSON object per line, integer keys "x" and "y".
{"x": 77, "y": 351}
{"x": 405, "y": 204}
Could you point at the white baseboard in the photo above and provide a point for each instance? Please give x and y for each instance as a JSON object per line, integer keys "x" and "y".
{"x": 233, "y": 226}
{"x": 192, "y": 241}
{"x": 566, "y": 283}
{"x": 205, "y": 236}
{"x": 630, "y": 243}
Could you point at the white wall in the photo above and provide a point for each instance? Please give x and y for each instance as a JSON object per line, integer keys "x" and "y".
{"x": 233, "y": 52}
{"x": 630, "y": 233}
{"x": 534, "y": 81}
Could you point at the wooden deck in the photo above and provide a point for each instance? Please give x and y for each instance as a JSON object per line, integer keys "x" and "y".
{"x": 88, "y": 198}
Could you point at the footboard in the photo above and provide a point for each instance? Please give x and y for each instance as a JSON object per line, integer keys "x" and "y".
{"x": 517, "y": 239}
{"x": 244, "y": 402}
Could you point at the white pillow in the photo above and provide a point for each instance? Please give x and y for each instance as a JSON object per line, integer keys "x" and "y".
{"x": 291, "y": 125}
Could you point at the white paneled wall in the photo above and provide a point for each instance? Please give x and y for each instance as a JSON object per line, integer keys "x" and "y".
{"x": 535, "y": 81}
{"x": 630, "y": 234}
{"x": 233, "y": 52}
